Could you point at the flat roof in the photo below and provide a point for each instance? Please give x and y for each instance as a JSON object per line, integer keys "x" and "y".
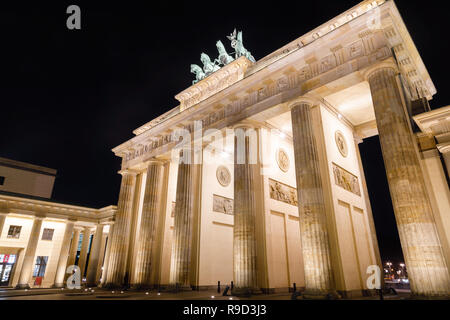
{"x": 26, "y": 166}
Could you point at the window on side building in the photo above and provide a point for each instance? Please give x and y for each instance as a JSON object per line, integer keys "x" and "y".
{"x": 14, "y": 232}
{"x": 40, "y": 266}
{"x": 47, "y": 234}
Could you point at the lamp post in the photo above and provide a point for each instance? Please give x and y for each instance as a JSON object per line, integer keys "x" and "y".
{"x": 402, "y": 266}
{"x": 389, "y": 266}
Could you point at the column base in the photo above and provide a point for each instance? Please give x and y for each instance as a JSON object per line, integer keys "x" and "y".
{"x": 142, "y": 287}
{"x": 22, "y": 286}
{"x": 109, "y": 286}
{"x": 174, "y": 288}
{"x": 311, "y": 294}
{"x": 58, "y": 285}
{"x": 92, "y": 284}
{"x": 435, "y": 297}
{"x": 246, "y": 292}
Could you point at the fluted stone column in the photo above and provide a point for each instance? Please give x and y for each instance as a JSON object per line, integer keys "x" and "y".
{"x": 2, "y": 222}
{"x": 180, "y": 270}
{"x": 121, "y": 236}
{"x": 313, "y": 223}
{"x": 63, "y": 256}
{"x": 107, "y": 254}
{"x": 244, "y": 231}
{"x": 73, "y": 248}
{"x": 424, "y": 258}
{"x": 151, "y": 210}
{"x": 28, "y": 260}
{"x": 132, "y": 247}
{"x": 84, "y": 250}
{"x": 94, "y": 256}
{"x": 101, "y": 258}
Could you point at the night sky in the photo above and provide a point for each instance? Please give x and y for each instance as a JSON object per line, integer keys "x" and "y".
{"x": 68, "y": 97}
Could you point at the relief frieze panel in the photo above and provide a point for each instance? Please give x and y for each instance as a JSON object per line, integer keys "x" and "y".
{"x": 346, "y": 180}
{"x": 222, "y": 204}
{"x": 282, "y": 192}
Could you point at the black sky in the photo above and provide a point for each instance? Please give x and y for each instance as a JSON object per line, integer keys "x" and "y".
{"x": 68, "y": 97}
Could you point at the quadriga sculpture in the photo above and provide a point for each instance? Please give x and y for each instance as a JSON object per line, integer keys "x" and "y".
{"x": 224, "y": 58}
{"x": 238, "y": 44}
{"x": 199, "y": 74}
{"x": 208, "y": 66}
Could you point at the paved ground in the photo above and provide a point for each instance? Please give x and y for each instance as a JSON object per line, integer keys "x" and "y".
{"x": 100, "y": 294}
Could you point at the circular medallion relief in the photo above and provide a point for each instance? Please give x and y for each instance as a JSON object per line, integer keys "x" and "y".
{"x": 283, "y": 160}
{"x": 223, "y": 176}
{"x": 341, "y": 143}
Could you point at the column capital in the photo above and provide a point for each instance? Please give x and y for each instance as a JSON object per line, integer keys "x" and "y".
{"x": 386, "y": 64}
{"x": 444, "y": 148}
{"x": 154, "y": 162}
{"x": 247, "y": 124}
{"x": 357, "y": 138}
{"x": 311, "y": 101}
{"x": 106, "y": 222}
{"x": 128, "y": 171}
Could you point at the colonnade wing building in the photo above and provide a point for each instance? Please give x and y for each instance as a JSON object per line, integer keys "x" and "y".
{"x": 39, "y": 237}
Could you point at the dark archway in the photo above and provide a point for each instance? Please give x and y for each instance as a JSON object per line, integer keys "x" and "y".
{"x": 380, "y": 200}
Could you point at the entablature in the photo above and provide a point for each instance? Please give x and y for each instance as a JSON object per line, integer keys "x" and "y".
{"x": 48, "y": 209}
{"x": 338, "y": 56}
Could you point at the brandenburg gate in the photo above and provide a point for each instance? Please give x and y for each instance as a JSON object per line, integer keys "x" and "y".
{"x": 256, "y": 177}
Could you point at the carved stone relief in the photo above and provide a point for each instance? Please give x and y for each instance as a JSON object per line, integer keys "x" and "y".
{"x": 283, "y": 160}
{"x": 346, "y": 180}
{"x": 282, "y": 192}
{"x": 222, "y": 204}
{"x": 223, "y": 176}
{"x": 341, "y": 143}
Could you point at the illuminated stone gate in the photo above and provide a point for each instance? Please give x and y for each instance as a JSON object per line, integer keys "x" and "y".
{"x": 298, "y": 212}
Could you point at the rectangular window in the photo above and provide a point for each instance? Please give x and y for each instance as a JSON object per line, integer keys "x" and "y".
{"x": 14, "y": 232}
{"x": 39, "y": 267}
{"x": 2, "y": 181}
{"x": 48, "y": 234}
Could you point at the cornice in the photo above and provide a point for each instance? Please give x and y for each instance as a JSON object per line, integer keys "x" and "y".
{"x": 48, "y": 209}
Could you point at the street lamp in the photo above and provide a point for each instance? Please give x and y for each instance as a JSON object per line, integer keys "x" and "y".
{"x": 402, "y": 265}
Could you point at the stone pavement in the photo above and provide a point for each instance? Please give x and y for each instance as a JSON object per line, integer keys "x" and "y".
{"x": 102, "y": 294}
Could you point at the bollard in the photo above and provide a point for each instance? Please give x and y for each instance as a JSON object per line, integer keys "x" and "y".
{"x": 218, "y": 286}
{"x": 295, "y": 287}
{"x": 232, "y": 285}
